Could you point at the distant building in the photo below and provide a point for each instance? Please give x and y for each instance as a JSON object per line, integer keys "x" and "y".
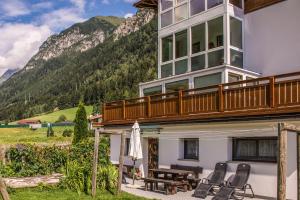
{"x": 29, "y": 122}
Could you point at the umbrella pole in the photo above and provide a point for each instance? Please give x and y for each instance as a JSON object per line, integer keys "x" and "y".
{"x": 133, "y": 176}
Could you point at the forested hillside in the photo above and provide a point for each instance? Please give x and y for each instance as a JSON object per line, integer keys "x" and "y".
{"x": 109, "y": 71}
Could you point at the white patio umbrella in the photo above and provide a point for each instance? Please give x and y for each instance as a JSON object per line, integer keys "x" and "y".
{"x": 135, "y": 147}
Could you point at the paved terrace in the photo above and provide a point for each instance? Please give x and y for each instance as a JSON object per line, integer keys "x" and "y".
{"x": 138, "y": 190}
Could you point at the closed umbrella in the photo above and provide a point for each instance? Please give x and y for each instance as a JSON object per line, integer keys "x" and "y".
{"x": 135, "y": 148}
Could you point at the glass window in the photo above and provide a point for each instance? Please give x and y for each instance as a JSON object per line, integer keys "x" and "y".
{"x": 207, "y": 80}
{"x": 216, "y": 58}
{"x": 152, "y": 90}
{"x": 181, "y": 67}
{"x": 181, "y": 12}
{"x": 198, "y": 62}
{"x": 178, "y": 85}
{"x": 234, "y": 78}
{"x": 127, "y": 144}
{"x": 213, "y": 3}
{"x": 215, "y": 33}
{"x": 167, "y": 48}
{"x": 236, "y": 33}
{"x": 191, "y": 149}
{"x": 167, "y": 18}
{"x": 198, "y": 38}
{"x": 236, "y": 58}
{"x": 255, "y": 149}
{"x": 166, "y": 70}
{"x": 197, "y": 6}
{"x": 165, "y": 4}
{"x": 181, "y": 44}
{"x": 180, "y": 1}
{"x": 237, "y": 3}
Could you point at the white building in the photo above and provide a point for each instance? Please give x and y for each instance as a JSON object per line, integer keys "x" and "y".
{"x": 194, "y": 114}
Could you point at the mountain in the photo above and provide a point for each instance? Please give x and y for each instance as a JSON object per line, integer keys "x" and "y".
{"x": 7, "y": 75}
{"x": 99, "y": 60}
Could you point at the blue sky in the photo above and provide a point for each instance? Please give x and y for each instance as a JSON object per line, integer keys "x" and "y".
{"x": 25, "y": 24}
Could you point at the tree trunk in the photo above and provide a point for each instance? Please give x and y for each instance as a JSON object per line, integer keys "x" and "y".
{"x": 3, "y": 190}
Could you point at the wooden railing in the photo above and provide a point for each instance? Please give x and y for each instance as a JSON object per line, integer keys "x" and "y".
{"x": 258, "y": 96}
{"x": 252, "y": 5}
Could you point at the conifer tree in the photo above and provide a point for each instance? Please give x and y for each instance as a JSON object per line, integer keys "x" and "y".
{"x": 81, "y": 124}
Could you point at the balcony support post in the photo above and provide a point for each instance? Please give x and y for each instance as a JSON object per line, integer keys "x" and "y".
{"x": 103, "y": 111}
{"x": 149, "y": 106}
{"x": 272, "y": 92}
{"x": 221, "y": 98}
{"x": 180, "y": 109}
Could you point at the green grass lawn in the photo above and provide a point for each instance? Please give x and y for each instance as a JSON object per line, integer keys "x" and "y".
{"x": 25, "y": 135}
{"x": 69, "y": 113}
{"x": 58, "y": 194}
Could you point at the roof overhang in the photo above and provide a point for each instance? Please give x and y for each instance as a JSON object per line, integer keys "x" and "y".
{"x": 153, "y": 4}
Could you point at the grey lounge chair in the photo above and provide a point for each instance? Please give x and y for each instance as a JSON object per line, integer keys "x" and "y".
{"x": 215, "y": 179}
{"x": 235, "y": 183}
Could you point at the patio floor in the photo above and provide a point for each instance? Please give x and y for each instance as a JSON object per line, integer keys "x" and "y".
{"x": 139, "y": 191}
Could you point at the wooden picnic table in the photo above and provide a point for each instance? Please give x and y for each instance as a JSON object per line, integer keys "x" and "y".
{"x": 176, "y": 174}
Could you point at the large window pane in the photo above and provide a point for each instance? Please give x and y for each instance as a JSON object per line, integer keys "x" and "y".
{"x": 166, "y": 70}
{"x": 216, "y": 58}
{"x": 165, "y": 4}
{"x": 203, "y": 81}
{"x": 246, "y": 148}
{"x": 152, "y": 90}
{"x": 197, "y": 6}
{"x": 198, "y": 38}
{"x": 267, "y": 148}
{"x": 178, "y": 85}
{"x": 198, "y": 62}
{"x": 181, "y": 12}
{"x": 215, "y": 33}
{"x": 213, "y": 3}
{"x": 236, "y": 58}
{"x": 166, "y": 18}
{"x": 236, "y": 33}
{"x": 181, "y": 66}
{"x": 167, "y": 48}
{"x": 181, "y": 44}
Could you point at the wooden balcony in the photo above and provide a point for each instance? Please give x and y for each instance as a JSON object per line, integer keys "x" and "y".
{"x": 266, "y": 96}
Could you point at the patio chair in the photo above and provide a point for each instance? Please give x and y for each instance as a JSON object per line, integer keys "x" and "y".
{"x": 236, "y": 183}
{"x": 215, "y": 179}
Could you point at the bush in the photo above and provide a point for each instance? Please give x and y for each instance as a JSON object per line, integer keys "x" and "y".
{"x": 81, "y": 124}
{"x": 62, "y": 118}
{"x": 67, "y": 133}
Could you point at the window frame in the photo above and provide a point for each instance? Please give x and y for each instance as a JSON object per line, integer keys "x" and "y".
{"x": 256, "y": 158}
{"x": 196, "y": 157}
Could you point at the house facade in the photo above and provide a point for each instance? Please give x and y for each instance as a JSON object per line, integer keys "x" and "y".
{"x": 227, "y": 75}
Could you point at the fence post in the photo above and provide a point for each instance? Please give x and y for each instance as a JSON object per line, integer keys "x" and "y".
{"x": 221, "y": 98}
{"x": 3, "y": 191}
{"x": 149, "y": 106}
{"x": 123, "y": 109}
{"x": 180, "y": 109}
{"x": 272, "y": 91}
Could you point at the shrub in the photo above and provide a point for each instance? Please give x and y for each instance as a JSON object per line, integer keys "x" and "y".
{"x": 67, "y": 133}
{"x": 81, "y": 124}
{"x": 62, "y": 118}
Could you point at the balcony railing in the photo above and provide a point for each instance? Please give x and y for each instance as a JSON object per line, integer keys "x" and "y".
{"x": 262, "y": 96}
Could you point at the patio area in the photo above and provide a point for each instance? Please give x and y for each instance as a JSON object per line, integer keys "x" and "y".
{"x": 139, "y": 190}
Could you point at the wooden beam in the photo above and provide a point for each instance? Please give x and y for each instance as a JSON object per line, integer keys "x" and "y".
{"x": 282, "y": 162}
{"x": 3, "y": 191}
{"x": 121, "y": 162}
{"x": 95, "y": 163}
{"x": 292, "y": 128}
{"x": 298, "y": 165}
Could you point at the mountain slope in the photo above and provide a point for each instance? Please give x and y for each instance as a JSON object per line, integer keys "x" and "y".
{"x": 7, "y": 75}
{"x": 108, "y": 71}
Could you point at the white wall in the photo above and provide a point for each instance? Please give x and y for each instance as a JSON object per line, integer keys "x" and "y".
{"x": 272, "y": 39}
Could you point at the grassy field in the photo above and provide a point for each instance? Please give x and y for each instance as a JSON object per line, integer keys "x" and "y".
{"x": 52, "y": 117}
{"x": 57, "y": 194}
{"x": 25, "y": 135}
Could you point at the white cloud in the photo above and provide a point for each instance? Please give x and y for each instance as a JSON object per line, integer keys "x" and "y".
{"x": 61, "y": 18}
{"x": 80, "y": 4}
{"x": 19, "y": 42}
{"x": 106, "y": 2}
{"x": 128, "y": 15}
{"x": 42, "y": 5}
{"x": 130, "y": 1}
{"x": 14, "y": 8}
